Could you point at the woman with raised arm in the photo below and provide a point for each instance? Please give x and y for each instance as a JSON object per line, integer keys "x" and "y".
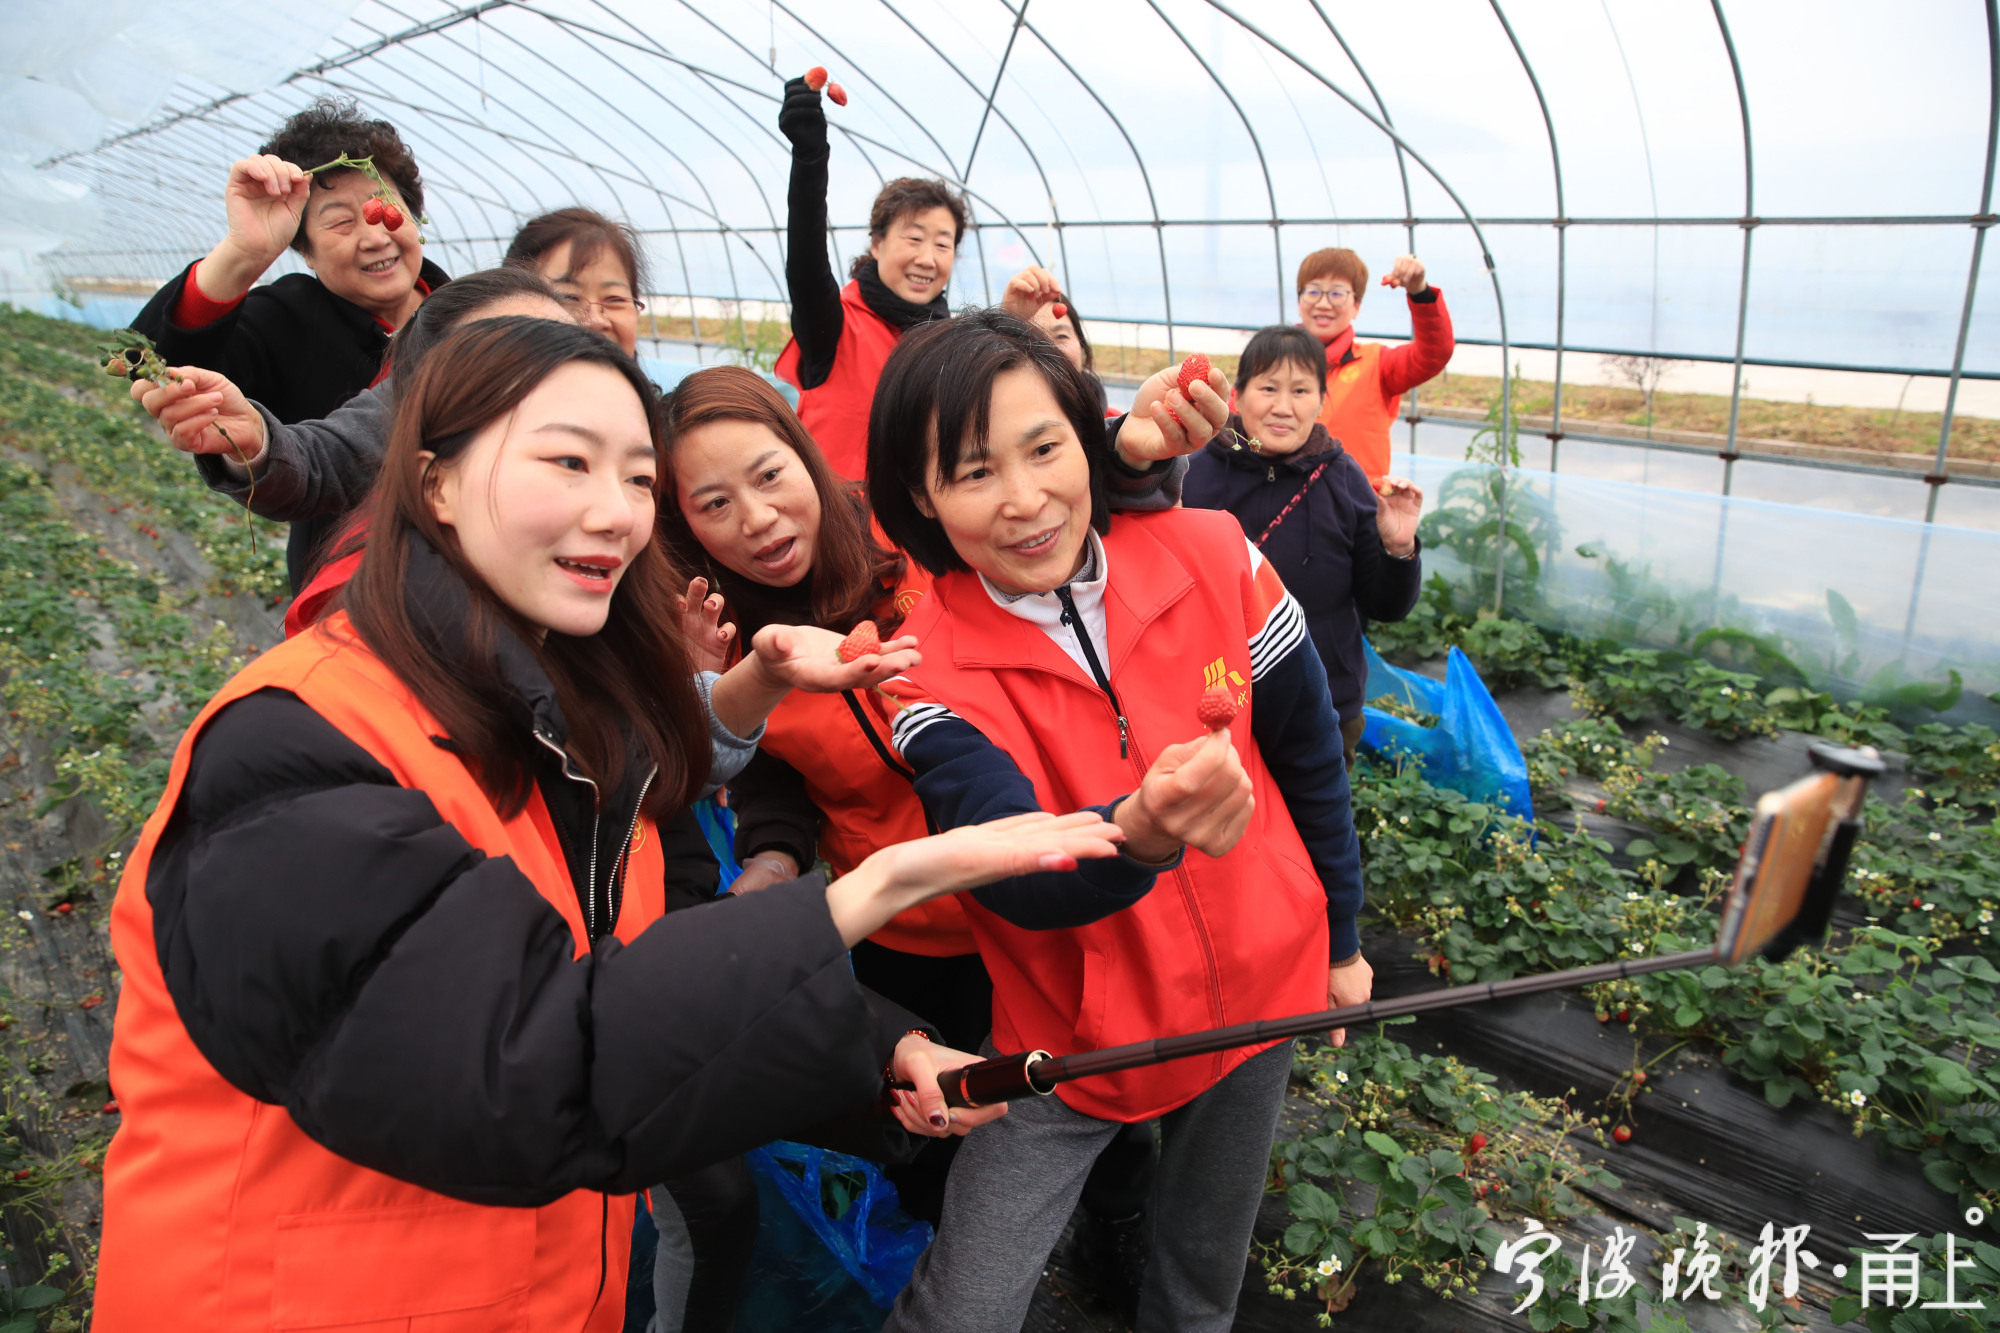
{"x": 841, "y": 335}
{"x": 401, "y": 1023}
{"x": 1366, "y": 381}
{"x": 305, "y": 344}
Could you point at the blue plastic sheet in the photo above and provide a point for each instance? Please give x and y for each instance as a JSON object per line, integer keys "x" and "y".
{"x": 1470, "y": 750}
{"x": 873, "y": 1240}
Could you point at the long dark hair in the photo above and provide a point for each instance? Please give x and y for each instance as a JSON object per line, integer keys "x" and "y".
{"x": 631, "y": 680}
{"x": 851, "y": 570}
{"x": 933, "y": 406}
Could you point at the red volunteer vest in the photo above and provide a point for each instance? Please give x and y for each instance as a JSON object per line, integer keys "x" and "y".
{"x": 220, "y": 1214}
{"x": 835, "y": 413}
{"x": 1215, "y": 941}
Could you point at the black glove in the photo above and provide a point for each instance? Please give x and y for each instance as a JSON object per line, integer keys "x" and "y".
{"x": 802, "y": 116}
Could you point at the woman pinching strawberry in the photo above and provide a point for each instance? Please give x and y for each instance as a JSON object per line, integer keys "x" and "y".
{"x": 336, "y": 187}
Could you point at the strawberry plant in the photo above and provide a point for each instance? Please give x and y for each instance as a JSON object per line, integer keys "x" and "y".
{"x": 1381, "y": 1178}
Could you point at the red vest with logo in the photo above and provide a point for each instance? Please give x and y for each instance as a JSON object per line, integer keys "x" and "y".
{"x": 220, "y": 1214}
{"x": 1215, "y": 941}
{"x": 835, "y": 413}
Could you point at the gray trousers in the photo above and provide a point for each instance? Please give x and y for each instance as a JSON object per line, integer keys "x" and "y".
{"x": 1016, "y": 1182}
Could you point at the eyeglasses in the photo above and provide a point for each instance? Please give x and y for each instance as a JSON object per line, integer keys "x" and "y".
{"x": 1314, "y": 295}
{"x": 611, "y": 306}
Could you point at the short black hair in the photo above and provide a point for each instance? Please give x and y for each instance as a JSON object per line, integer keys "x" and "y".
{"x": 1276, "y": 344}
{"x": 933, "y": 405}
{"x": 453, "y": 304}
{"x": 330, "y": 127}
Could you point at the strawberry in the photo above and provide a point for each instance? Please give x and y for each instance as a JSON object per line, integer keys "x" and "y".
{"x": 392, "y": 216}
{"x": 1638, "y": 1078}
{"x": 371, "y": 210}
{"x": 1622, "y": 1134}
{"x": 837, "y": 93}
{"x": 90, "y": 1002}
{"x": 816, "y": 77}
{"x": 23, "y": 1173}
{"x": 1624, "y": 1015}
{"x": 864, "y": 640}
{"x": 1059, "y": 310}
{"x": 1474, "y": 1144}
{"x": 1194, "y": 369}
{"x": 64, "y": 909}
{"x": 110, "y": 1107}
{"x": 1600, "y": 805}
{"x": 1216, "y": 708}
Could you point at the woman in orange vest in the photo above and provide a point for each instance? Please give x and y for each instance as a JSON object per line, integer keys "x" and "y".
{"x": 759, "y": 513}
{"x": 401, "y": 1028}
{"x": 1365, "y": 382}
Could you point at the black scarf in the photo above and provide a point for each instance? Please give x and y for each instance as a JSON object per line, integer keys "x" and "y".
{"x": 901, "y": 315}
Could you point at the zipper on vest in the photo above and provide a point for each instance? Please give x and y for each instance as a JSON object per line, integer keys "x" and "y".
{"x": 1075, "y": 622}
{"x": 590, "y": 930}
{"x": 1271, "y": 473}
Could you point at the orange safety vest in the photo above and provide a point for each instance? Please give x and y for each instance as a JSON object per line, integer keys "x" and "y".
{"x": 1357, "y": 413}
{"x": 840, "y": 747}
{"x": 220, "y": 1214}
{"x": 835, "y": 413}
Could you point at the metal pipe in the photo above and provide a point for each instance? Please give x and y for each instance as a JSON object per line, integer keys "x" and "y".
{"x": 1980, "y": 225}
{"x": 1270, "y": 191}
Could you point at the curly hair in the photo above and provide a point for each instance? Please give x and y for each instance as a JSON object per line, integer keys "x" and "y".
{"x": 330, "y": 127}
{"x": 907, "y": 196}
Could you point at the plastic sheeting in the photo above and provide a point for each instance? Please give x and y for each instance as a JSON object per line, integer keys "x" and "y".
{"x": 1860, "y": 606}
{"x": 1172, "y": 160}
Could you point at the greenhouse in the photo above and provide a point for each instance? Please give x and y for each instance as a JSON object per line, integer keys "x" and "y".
{"x": 1710, "y": 478}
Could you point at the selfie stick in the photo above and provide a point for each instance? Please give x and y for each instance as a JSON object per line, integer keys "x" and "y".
{"x": 1787, "y": 878}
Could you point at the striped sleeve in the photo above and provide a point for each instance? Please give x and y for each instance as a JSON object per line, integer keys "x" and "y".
{"x": 964, "y": 778}
{"x": 1273, "y": 620}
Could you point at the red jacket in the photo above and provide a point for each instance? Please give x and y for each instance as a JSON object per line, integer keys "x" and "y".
{"x": 1213, "y": 941}
{"x": 835, "y": 413}
{"x": 1365, "y": 382}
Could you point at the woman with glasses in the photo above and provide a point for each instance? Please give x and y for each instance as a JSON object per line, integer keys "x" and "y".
{"x": 594, "y": 265}
{"x": 1365, "y": 382}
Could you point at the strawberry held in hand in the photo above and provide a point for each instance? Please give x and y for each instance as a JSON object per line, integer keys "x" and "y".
{"x": 1193, "y": 370}
{"x": 816, "y": 77}
{"x": 1216, "y": 708}
{"x": 836, "y": 94}
{"x": 865, "y": 640}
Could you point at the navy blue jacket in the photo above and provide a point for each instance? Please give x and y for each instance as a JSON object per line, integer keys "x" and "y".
{"x": 1328, "y": 550}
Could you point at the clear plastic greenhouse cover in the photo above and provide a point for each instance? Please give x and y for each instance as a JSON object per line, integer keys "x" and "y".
{"x": 1790, "y": 182}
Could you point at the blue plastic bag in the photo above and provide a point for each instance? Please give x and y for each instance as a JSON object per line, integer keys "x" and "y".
{"x": 718, "y": 825}
{"x": 1470, "y": 750}
{"x": 852, "y": 1209}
